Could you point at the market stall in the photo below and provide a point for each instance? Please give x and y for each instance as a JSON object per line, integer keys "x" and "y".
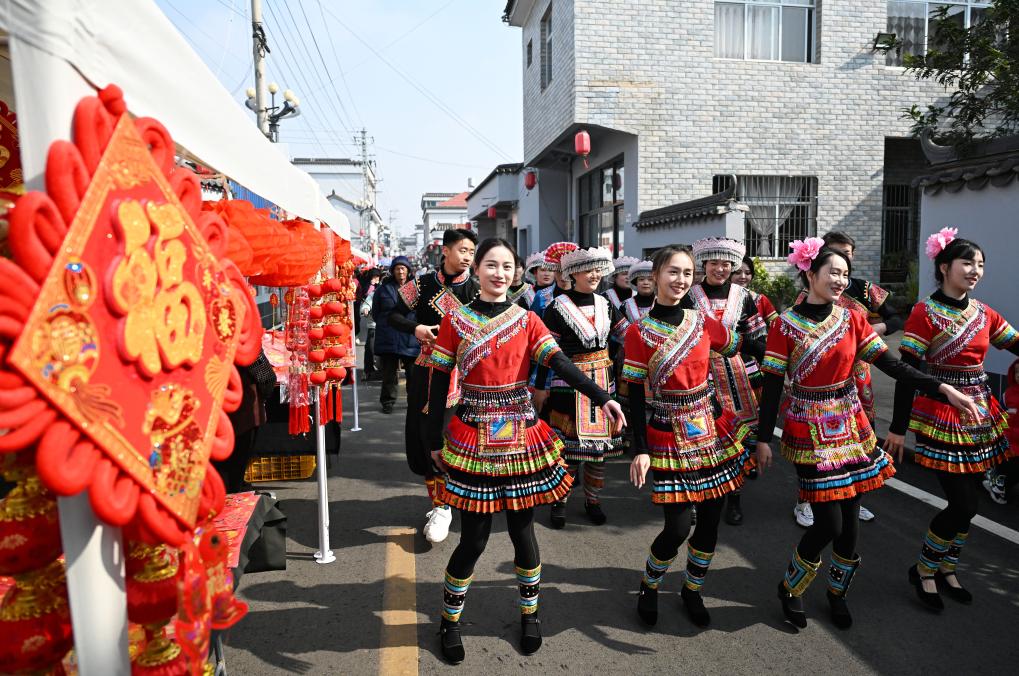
{"x": 112, "y": 417}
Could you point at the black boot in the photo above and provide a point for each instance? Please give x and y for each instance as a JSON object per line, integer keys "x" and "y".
{"x": 733, "y": 511}
{"x": 450, "y": 641}
{"x": 958, "y": 594}
{"x": 595, "y": 513}
{"x": 840, "y": 615}
{"x": 647, "y": 605}
{"x": 530, "y": 633}
{"x": 558, "y": 519}
{"x": 694, "y": 605}
{"x": 792, "y": 607}
{"x": 930, "y": 599}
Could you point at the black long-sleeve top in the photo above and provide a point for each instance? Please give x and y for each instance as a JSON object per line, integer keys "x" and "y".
{"x": 566, "y": 337}
{"x": 903, "y": 392}
{"x": 894, "y": 368}
{"x": 561, "y": 364}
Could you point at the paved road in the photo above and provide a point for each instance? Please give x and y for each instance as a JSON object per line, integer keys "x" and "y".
{"x": 329, "y": 619}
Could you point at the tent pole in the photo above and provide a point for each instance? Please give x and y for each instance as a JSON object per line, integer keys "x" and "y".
{"x": 324, "y": 554}
{"x": 357, "y": 406}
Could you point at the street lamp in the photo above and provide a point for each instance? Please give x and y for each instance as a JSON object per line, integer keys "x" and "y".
{"x": 289, "y": 109}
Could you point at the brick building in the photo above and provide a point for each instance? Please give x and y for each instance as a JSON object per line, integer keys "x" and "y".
{"x": 800, "y": 100}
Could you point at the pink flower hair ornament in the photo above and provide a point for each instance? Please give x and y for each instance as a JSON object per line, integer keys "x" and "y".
{"x": 937, "y": 242}
{"x": 804, "y": 251}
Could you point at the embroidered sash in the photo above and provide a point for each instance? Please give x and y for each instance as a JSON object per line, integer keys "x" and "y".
{"x": 733, "y": 309}
{"x": 956, "y": 328}
{"x": 409, "y": 293}
{"x": 591, "y": 334}
{"x": 514, "y": 296}
{"x": 671, "y": 345}
{"x": 591, "y": 422}
{"x": 633, "y": 312}
{"x": 479, "y": 334}
{"x": 812, "y": 340}
{"x": 613, "y": 297}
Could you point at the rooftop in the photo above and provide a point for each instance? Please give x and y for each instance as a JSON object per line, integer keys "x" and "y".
{"x": 719, "y": 203}
{"x": 457, "y": 201}
{"x": 992, "y": 162}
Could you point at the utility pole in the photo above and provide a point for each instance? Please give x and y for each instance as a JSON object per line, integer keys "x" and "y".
{"x": 259, "y": 49}
{"x": 361, "y": 139}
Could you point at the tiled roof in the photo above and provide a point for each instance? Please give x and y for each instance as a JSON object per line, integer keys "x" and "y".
{"x": 718, "y": 203}
{"x": 456, "y": 202}
{"x": 992, "y": 162}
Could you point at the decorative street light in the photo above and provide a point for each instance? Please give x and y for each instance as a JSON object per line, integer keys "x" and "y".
{"x": 289, "y": 109}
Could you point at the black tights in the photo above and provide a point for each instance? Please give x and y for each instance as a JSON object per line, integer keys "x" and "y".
{"x": 474, "y": 531}
{"x": 677, "y": 527}
{"x": 962, "y": 491}
{"x": 837, "y": 522}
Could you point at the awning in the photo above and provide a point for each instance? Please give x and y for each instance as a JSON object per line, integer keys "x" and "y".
{"x": 131, "y": 43}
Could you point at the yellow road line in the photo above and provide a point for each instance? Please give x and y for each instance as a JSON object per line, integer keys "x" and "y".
{"x": 398, "y": 652}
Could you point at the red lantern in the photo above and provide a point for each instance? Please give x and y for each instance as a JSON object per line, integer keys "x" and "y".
{"x": 530, "y": 180}
{"x": 274, "y": 300}
{"x": 582, "y": 145}
{"x": 491, "y": 212}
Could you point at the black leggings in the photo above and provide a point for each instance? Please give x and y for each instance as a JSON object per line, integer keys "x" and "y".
{"x": 962, "y": 491}
{"x": 677, "y": 527}
{"x": 474, "y": 531}
{"x": 837, "y": 522}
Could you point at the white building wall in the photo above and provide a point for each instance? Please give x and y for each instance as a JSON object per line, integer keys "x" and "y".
{"x": 648, "y": 68}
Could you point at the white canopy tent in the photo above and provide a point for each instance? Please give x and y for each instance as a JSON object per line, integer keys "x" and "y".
{"x": 131, "y": 43}
{"x": 59, "y": 52}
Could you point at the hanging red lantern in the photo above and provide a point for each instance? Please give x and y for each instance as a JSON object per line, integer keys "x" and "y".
{"x": 530, "y": 180}
{"x": 491, "y": 213}
{"x": 582, "y": 145}
{"x": 274, "y": 300}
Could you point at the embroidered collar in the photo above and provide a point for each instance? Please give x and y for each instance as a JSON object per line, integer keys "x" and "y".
{"x": 592, "y": 334}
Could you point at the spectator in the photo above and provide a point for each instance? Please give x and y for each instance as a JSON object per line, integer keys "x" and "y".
{"x": 392, "y": 347}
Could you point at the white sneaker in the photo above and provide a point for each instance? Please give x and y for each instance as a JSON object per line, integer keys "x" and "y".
{"x": 866, "y": 514}
{"x": 437, "y": 527}
{"x": 804, "y": 514}
{"x": 994, "y": 484}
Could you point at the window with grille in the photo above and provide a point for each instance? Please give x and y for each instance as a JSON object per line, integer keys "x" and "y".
{"x": 768, "y": 30}
{"x": 600, "y": 207}
{"x": 546, "y": 47}
{"x": 913, "y": 25}
{"x": 782, "y": 209}
{"x": 900, "y": 219}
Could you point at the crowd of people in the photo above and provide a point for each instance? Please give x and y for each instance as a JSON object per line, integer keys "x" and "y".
{"x": 528, "y": 374}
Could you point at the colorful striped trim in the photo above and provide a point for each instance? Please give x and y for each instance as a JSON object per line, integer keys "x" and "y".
{"x": 514, "y": 494}
{"x": 732, "y": 344}
{"x": 800, "y": 574}
{"x": 1005, "y": 337}
{"x": 544, "y": 350}
{"x": 697, "y": 564}
{"x": 932, "y": 553}
{"x": 914, "y": 345}
{"x": 848, "y": 484}
{"x": 871, "y": 348}
{"x": 529, "y": 587}
{"x": 442, "y": 360}
{"x": 775, "y": 364}
{"x": 634, "y": 372}
{"x": 655, "y": 569}
{"x": 841, "y": 574}
{"x": 951, "y": 560}
{"x": 454, "y": 594}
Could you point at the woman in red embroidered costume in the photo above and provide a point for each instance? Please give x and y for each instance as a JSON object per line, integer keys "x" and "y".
{"x": 826, "y": 434}
{"x": 950, "y": 333}
{"x": 736, "y": 376}
{"x": 582, "y": 322}
{"x": 497, "y": 455}
{"x": 696, "y": 457}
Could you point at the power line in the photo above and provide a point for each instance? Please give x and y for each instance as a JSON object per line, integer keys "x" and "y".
{"x": 428, "y": 95}
{"x": 201, "y": 30}
{"x": 322, "y": 60}
{"x": 339, "y": 67}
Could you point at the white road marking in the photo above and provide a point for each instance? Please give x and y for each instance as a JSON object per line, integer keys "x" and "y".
{"x": 993, "y": 527}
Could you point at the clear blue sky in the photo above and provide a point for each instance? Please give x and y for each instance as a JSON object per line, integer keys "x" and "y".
{"x": 446, "y": 72}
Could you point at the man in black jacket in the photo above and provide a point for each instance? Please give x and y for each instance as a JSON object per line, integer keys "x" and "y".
{"x": 429, "y": 298}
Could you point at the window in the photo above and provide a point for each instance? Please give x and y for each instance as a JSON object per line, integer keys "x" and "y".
{"x": 900, "y": 219}
{"x": 546, "y": 48}
{"x": 782, "y": 209}
{"x": 600, "y": 194}
{"x": 768, "y": 30}
{"x": 529, "y": 50}
{"x": 911, "y": 21}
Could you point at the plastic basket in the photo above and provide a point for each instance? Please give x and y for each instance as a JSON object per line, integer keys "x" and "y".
{"x": 280, "y": 468}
